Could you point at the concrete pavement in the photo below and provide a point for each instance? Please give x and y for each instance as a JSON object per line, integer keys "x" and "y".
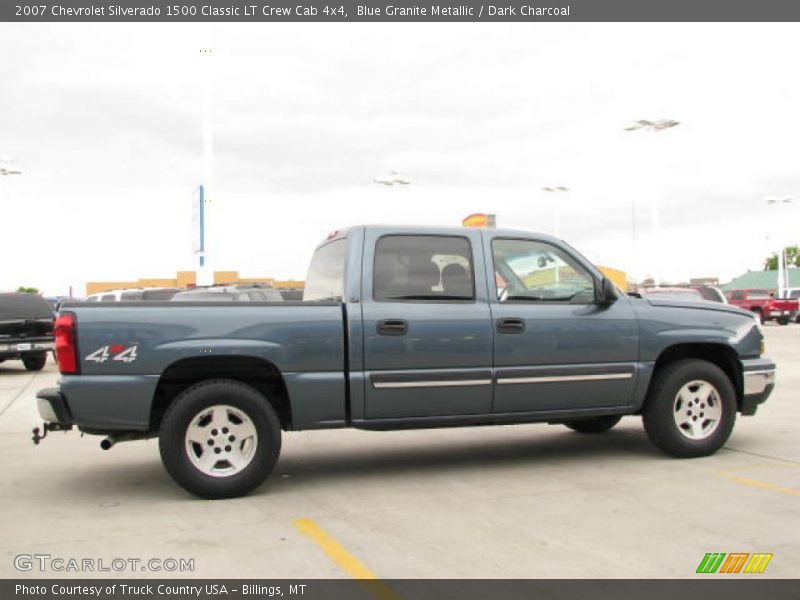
{"x": 528, "y": 501}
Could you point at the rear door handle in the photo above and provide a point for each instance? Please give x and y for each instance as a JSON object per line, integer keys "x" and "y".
{"x": 510, "y": 326}
{"x": 392, "y": 327}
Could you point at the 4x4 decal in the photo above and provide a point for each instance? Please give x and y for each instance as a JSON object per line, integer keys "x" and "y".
{"x": 114, "y": 352}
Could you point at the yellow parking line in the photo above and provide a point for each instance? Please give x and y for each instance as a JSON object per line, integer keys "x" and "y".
{"x": 762, "y": 484}
{"x": 348, "y": 563}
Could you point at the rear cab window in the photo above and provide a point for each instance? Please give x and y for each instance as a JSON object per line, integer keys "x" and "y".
{"x": 758, "y": 295}
{"x": 325, "y": 279}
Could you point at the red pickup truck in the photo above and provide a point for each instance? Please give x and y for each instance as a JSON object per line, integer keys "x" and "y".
{"x": 764, "y": 305}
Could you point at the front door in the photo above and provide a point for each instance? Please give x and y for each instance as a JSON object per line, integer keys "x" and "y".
{"x": 557, "y": 349}
{"x": 427, "y": 326}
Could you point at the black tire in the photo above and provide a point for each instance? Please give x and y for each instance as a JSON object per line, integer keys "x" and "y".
{"x": 34, "y": 362}
{"x": 661, "y": 403}
{"x": 595, "y": 424}
{"x": 783, "y": 320}
{"x": 184, "y": 410}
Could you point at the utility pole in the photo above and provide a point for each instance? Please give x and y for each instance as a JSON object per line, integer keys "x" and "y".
{"x": 205, "y": 275}
{"x": 653, "y": 127}
{"x": 783, "y": 273}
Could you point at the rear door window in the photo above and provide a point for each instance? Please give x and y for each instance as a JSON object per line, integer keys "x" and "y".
{"x": 423, "y": 267}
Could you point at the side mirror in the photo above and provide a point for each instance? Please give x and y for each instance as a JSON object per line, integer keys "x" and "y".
{"x": 606, "y": 292}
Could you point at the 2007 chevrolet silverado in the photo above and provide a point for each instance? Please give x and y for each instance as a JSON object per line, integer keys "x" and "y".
{"x": 404, "y": 328}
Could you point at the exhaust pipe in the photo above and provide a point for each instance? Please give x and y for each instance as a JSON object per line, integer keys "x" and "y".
{"x": 125, "y": 436}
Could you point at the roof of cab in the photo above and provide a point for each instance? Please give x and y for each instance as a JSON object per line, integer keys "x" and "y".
{"x": 437, "y": 230}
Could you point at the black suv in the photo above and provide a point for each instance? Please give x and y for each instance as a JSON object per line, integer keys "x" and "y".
{"x": 26, "y": 329}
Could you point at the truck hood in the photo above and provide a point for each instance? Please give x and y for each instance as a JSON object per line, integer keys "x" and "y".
{"x": 698, "y": 305}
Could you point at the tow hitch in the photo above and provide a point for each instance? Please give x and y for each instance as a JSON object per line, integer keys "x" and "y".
{"x": 39, "y": 436}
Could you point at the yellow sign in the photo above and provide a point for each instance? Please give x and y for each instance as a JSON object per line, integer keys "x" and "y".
{"x": 480, "y": 220}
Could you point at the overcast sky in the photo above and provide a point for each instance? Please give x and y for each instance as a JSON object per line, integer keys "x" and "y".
{"x": 105, "y": 120}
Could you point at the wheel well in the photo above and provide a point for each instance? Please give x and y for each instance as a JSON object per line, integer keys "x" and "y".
{"x": 256, "y": 372}
{"x": 722, "y": 356}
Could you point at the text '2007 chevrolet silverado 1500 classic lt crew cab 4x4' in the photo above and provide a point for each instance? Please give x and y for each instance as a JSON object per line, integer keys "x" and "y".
{"x": 405, "y": 328}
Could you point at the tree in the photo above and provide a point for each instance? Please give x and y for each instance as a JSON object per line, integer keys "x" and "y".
{"x": 792, "y": 258}
{"x": 27, "y": 290}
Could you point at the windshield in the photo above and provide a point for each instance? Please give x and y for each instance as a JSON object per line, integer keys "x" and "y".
{"x": 325, "y": 279}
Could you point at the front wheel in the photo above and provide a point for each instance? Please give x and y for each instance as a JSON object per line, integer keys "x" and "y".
{"x": 220, "y": 439}
{"x": 690, "y": 409}
{"x": 34, "y": 362}
{"x": 595, "y": 424}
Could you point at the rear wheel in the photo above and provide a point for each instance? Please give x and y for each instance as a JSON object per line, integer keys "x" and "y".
{"x": 783, "y": 320}
{"x": 34, "y": 362}
{"x": 690, "y": 409}
{"x": 220, "y": 439}
{"x": 595, "y": 424}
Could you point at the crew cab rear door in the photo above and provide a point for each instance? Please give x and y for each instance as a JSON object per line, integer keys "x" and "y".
{"x": 426, "y": 325}
{"x": 556, "y": 348}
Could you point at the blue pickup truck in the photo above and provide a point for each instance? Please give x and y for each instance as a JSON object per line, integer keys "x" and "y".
{"x": 404, "y": 328}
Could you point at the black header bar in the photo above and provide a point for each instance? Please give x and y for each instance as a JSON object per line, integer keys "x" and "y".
{"x": 399, "y": 11}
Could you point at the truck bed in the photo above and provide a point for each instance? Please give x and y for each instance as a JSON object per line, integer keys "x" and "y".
{"x": 134, "y": 343}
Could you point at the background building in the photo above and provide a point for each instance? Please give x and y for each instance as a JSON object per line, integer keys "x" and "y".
{"x": 188, "y": 279}
{"x": 765, "y": 280}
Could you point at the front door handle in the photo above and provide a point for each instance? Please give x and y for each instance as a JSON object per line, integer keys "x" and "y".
{"x": 510, "y": 326}
{"x": 392, "y": 327}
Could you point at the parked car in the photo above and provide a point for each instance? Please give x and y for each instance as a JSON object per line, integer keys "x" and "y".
{"x": 228, "y": 293}
{"x": 678, "y": 293}
{"x": 793, "y": 294}
{"x": 712, "y": 293}
{"x": 149, "y": 295}
{"x": 26, "y": 329}
{"x": 764, "y": 305}
{"x": 152, "y": 294}
{"x": 292, "y": 295}
{"x": 402, "y": 327}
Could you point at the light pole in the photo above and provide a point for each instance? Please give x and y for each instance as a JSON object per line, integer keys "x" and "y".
{"x": 205, "y": 191}
{"x": 550, "y": 189}
{"x": 783, "y": 274}
{"x": 653, "y": 127}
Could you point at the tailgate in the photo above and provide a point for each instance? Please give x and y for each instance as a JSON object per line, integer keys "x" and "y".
{"x": 790, "y": 305}
{"x": 12, "y": 330}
